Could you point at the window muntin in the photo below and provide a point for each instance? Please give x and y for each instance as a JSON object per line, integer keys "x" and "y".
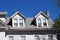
{"x": 23, "y": 37}
{"x": 11, "y": 38}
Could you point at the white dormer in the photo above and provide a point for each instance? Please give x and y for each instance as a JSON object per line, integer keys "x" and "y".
{"x": 18, "y": 20}
{"x": 41, "y": 20}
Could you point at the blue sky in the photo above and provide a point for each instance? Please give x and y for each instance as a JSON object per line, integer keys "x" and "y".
{"x": 29, "y": 8}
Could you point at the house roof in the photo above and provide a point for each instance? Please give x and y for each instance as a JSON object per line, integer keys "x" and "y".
{"x": 30, "y": 23}
{"x": 2, "y": 23}
{"x": 19, "y": 13}
{"x": 42, "y": 14}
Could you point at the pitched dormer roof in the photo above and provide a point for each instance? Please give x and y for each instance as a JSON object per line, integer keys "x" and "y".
{"x": 19, "y": 13}
{"x": 42, "y": 14}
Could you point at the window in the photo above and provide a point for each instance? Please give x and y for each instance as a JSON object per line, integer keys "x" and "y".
{"x": 15, "y": 19}
{"x": 44, "y": 22}
{"x": 11, "y": 38}
{"x": 15, "y": 22}
{"x": 23, "y": 37}
{"x": 20, "y": 22}
{"x": 39, "y": 22}
{"x": 36, "y": 37}
{"x": 44, "y": 38}
{"x": 50, "y": 37}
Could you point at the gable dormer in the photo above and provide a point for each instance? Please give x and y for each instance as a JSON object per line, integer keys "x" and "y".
{"x": 41, "y": 19}
{"x": 18, "y": 20}
{"x": 3, "y": 16}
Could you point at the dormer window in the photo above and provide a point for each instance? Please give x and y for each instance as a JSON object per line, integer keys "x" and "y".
{"x": 18, "y": 19}
{"x": 15, "y": 22}
{"x": 44, "y": 22}
{"x": 39, "y": 22}
{"x": 20, "y": 22}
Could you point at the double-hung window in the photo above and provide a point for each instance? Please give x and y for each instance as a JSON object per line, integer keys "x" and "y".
{"x": 15, "y": 22}
{"x": 37, "y": 37}
{"x": 44, "y": 22}
{"x": 39, "y": 22}
{"x": 50, "y": 37}
{"x": 11, "y": 38}
{"x": 23, "y": 37}
{"x": 20, "y": 22}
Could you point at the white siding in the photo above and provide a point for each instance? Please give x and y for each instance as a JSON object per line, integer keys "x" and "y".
{"x": 2, "y": 36}
{"x": 3, "y": 19}
{"x": 18, "y": 37}
{"x": 30, "y": 37}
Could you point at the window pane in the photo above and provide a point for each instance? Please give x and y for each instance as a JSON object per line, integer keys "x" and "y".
{"x": 50, "y": 37}
{"x": 16, "y": 24}
{"x": 36, "y": 37}
{"x": 23, "y": 37}
{"x": 44, "y": 23}
{"x": 11, "y": 38}
{"x": 44, "y": 20}
{"x": 44, "y": 38}
{"x": 21, "y": 20}
{"x": 39, "y": 20}
{"x": 20, "y": 24}
{"x": 15, "y": 20}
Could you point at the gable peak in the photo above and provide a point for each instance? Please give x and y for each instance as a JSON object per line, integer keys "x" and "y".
{"x": 19, "y": 13}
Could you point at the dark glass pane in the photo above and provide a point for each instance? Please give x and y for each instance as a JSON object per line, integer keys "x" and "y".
{"x": 44, "y": 23}
{"x": 39, "y": 24}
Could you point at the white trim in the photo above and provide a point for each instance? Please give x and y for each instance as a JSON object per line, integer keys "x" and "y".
{"x": 38, "y": 14}
{"x": 16, "y": 13}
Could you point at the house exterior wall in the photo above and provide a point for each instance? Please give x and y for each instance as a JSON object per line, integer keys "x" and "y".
{"x": 2, "y": 36}
{"x": 30, "y": 37}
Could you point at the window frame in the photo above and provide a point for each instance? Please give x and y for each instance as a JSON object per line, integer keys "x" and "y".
{"x": 39, "y": 22}
{"x": 44, "y": 22}
{"x": 37, "y": 37}
{"x": 21, "y": 22}
{"x": 11, "y": 38}
{"x": 24, "y": 37}
{"x": 15, "y": 22}
{"x": 39, "y": 19}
